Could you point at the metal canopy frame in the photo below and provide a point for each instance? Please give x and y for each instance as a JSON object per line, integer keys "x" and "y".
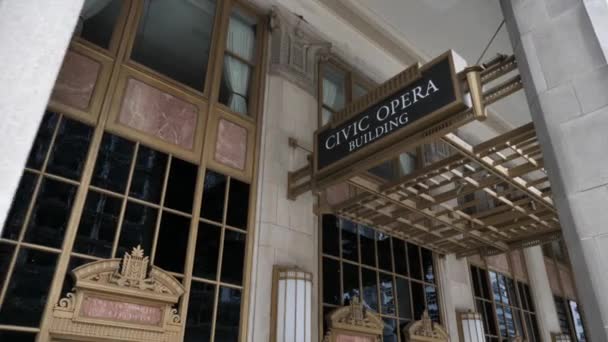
{"x": 486, "y": 198}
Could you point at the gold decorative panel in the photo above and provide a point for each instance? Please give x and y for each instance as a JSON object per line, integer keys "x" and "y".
{"x": 119, "y": 299}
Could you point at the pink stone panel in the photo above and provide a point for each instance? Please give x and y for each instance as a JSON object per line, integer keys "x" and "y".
{"x": 476, "y": 260}
{"x": 353, "y": 338}
{"x": 518, "y": 266}
{"x": 93, "y": 307}
{"x": 499, "y": 263}
{"x": 231, "y": 144}
{"x": 76, "y": 81}
{"x": 159, "y": 114}
{"x": 337, "y": 193}
{"x": 553, "y": 277}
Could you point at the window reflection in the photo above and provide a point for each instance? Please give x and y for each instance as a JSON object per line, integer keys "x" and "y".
{"x": 97, "y": 20}
{"x": 174, "y": 38}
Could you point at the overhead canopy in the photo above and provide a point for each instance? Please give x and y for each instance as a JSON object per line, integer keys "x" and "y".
{"x": 486, "y": 198}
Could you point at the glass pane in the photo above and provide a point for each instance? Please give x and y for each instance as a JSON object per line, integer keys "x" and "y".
{"x": 28, "y": 288}
{"x": 367, "y": 245}
{"x": 16, "y": 215}
{"x": 238, "y": 204}
{"x": 370, "y": 288}
{"x": 485, "y": 286}
{"x": 15, "y": 336}
{"x": 174, "y": 38}
{"x": 535, "y": 327}
{"x": 50, "y": 213}
{"x": 578, "y": 321}
{"x": 350, "y": 282}
{"x": 384, "y": 252}
{"x": 476, "y": 281}
{"x": 207, "y": 251}
{"x": 68, "y": 280}
{"x": 148, "y": 175}
{"x": 200, "y": 312}
{"x": 172, "y": 242}
{"x": 390, "y": 332}
{"x": 509, "y": 320}
{"x": 98, "y": 225}
{"x": 502, "y": 325}
{"x": 181, "y": 184}
{"x": 562, "y": 314}
{"x": 214, "y": 193}
{"x": 387, "y": 294}
{"x": 349, "y": 240}
{"x": 234, "y": 89}
{"x": 399, "y": 255}
{"x": 413, "y": 256}
{"x": 418, "y": 299}
{"x": 228, "y": 315}
{"x": 489, "y": 311}
{"x": 502, "y": 284}
{"x": 427, "y": 265}
{"x": 403, "y": 297}
{"x": 518, "y": 323}
{"x": 6, "y": 254}
{"x": 70, "y": 149}
{"x": 432, "y": 302}
{"x": 407, "y": 164}
{"x": 331, "y": 281}
{"x": 97, "y": 20}
{"x": 331, "y": 240}
{"x": 42, "y": 141}
{"x": 233, "y": 257}
{"x": 138, "y": 228}
{"x": 358, "y": 91}
{"x": 240, "y": 38}
{"x": 236, "y": 76}
{"x": 495, "y": 286}
{"x": 326, "y": 116}
{"x": 113, "y": 163}
{"x": 333, "y": 87}
{"x": 512, "y": 292}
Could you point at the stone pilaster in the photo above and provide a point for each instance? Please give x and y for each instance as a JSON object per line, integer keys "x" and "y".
{"x": 34, "y": 36}
{"x": 560, "y": 48}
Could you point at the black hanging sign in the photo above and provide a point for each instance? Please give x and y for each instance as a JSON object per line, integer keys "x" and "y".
{"x": 434, "y": 90}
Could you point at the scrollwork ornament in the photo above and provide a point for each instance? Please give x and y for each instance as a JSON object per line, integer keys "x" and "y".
{"x": 67, "y": 302}
{"x": 175, "y": 318}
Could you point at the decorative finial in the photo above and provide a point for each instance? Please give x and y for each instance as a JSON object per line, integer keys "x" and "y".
{"x": 137, "y": 252}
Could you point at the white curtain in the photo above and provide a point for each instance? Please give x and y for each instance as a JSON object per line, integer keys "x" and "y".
{"x": 240, "y": 41}
{"x": 330, "y": 95}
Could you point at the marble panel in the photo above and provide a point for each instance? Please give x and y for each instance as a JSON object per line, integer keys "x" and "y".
{"x": 231, "y": 144}
{"x": 155, "y": 112}
{"x": 76, "y": 80}
{"x": 552, "y": 274}
{"x": 100, "y": 308}
{"x": 566, "y": 277}
{"x": 518, "y": 266}
{"x": 499, "y": 263}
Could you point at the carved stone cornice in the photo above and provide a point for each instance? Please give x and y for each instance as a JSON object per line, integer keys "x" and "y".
{"x": 295, "y": 49}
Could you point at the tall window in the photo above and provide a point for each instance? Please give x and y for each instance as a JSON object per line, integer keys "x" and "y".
{"x": 239, "y": 62}
{"x": 135, "y": 151}
{"x": 505, "y": 305}
{"x": 391, "y": 276}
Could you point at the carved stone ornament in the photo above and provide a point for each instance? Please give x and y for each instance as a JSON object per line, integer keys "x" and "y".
{"x": 425, "y": 330}
{"x": 295, "y": 48}
{"x": 354, "y": 321}
{"x": 119, "y": 300}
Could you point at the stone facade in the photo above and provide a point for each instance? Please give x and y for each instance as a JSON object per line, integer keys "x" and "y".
{"x": 560, "y": 47}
